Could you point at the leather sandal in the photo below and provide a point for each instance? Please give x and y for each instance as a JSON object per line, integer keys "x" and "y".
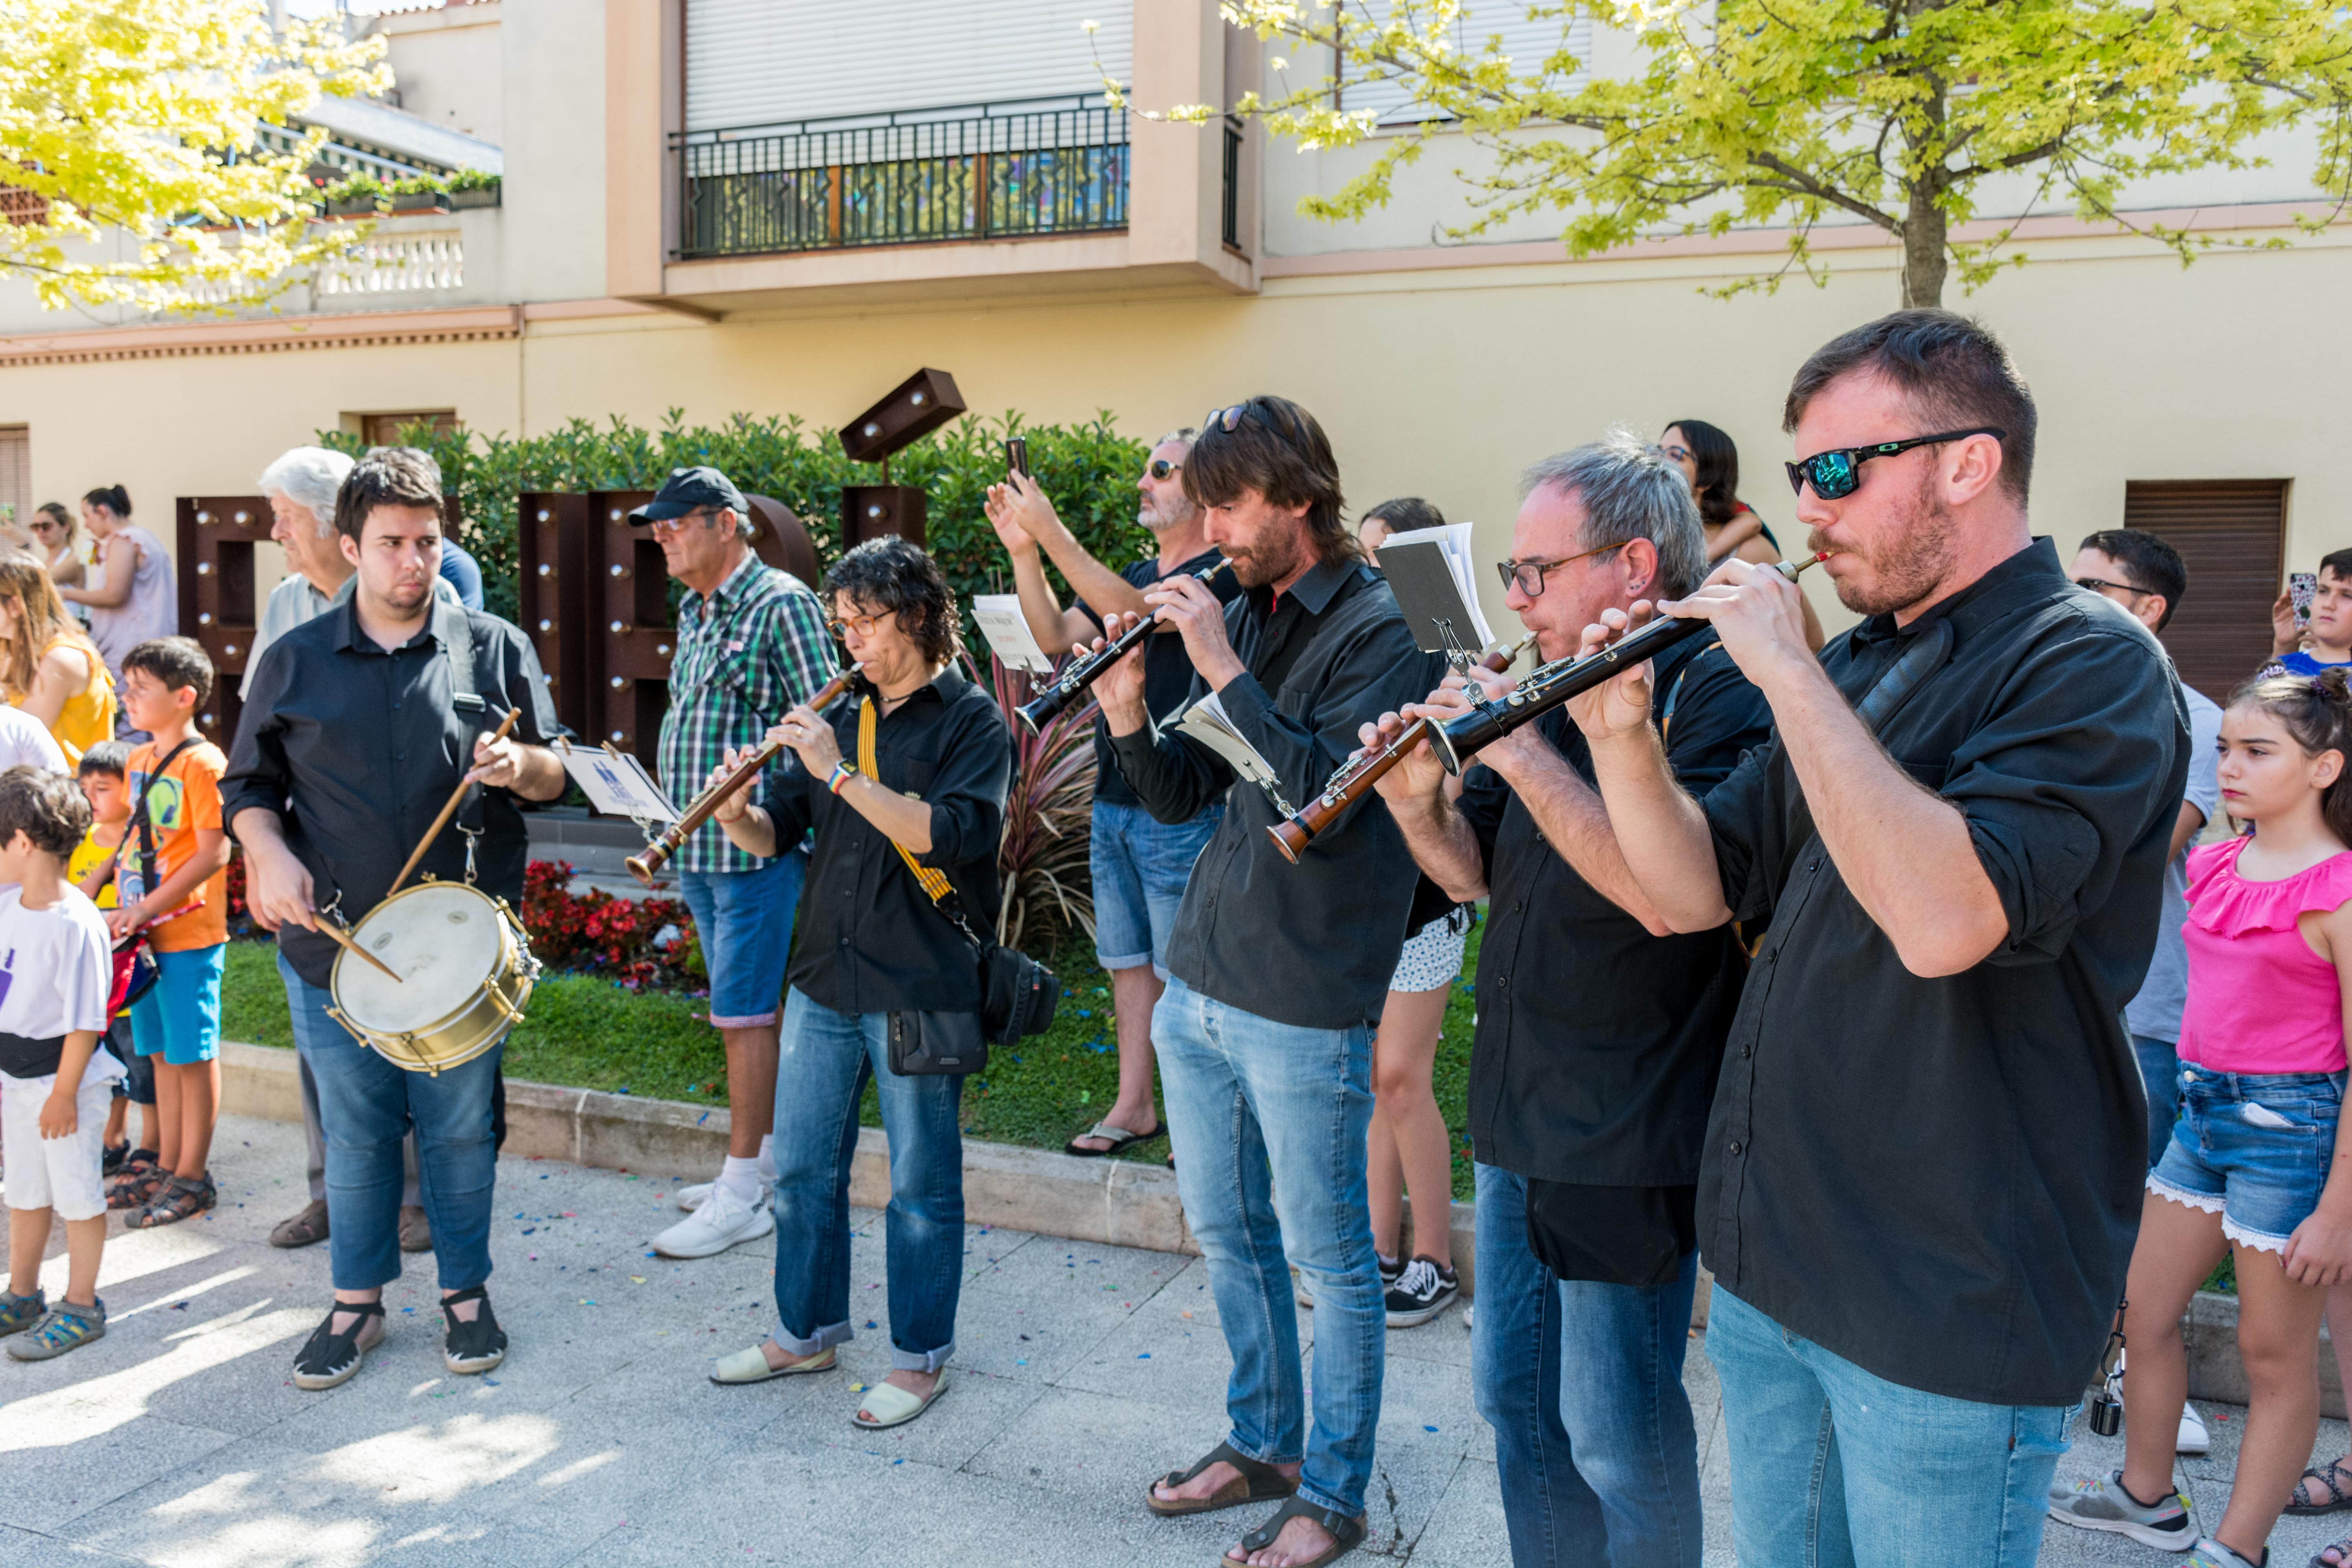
{"x": 177, "y": 1200}
{"x": 1258, "y": 1482}
{"x": 1347, "y": 1534}
{"x": 1116, "y": 1137}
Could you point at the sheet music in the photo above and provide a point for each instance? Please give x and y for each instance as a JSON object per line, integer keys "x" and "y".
{"x": 1421, "y": 590}
{"x": 1001, "y": 622}
{"x": 618, "y": 785}
{"x": 1207, "y": 722}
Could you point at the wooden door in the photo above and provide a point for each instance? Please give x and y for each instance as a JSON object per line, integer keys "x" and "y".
{"x": 2232, "y": 535}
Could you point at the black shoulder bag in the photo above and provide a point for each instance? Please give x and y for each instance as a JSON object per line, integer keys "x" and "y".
{"x": 1017, "y": 993}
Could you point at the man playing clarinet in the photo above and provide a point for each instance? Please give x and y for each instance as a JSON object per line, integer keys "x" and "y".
{"x": 358, "y": 728}
{"x": 1599, "y": 1037}
{"x": 1276, "y": 971}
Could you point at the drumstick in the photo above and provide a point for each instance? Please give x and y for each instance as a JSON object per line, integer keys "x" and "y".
{"x": 447, "y": 811}
{"x": 352, "y": 946}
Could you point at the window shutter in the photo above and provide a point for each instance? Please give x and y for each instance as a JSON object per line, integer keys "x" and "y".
{"x": 2232, "y": 536}
{"x": 767, "y": 62}
{"x": 17, "y": 471}
{"x": 1528, "y": 43}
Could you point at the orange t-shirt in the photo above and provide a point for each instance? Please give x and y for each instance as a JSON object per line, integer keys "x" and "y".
{"x": 185, "y": 799}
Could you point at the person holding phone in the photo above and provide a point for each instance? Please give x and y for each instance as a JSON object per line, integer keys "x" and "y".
{"x": 1141, "y": 866}
{"x": 2301, "y": 645}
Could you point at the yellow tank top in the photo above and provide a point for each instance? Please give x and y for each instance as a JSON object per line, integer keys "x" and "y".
{"x": 86, "y": 858}
{"x": 88, "y": 717}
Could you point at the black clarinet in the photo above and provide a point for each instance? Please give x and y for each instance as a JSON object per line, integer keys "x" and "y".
{"x": 1548, "y": 686}
{"x": 1079, "y": 673}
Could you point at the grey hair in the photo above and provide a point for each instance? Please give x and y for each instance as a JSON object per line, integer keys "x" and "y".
{"x": 308, "y": 477}
{"x": 1184, "y": 432}
{"x": 1630, "y": 491}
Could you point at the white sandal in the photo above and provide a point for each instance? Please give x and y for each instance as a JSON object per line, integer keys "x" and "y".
{"x": 752, "y": 1366}
{"x": 891, "y": 1405}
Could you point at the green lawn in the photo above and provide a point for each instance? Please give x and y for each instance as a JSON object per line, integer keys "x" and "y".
{"x": 590, "y": 1034}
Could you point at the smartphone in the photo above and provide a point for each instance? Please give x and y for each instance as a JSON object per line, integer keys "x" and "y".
{"x": 1017, "y": 460}
{"x": 2299, "y": 587}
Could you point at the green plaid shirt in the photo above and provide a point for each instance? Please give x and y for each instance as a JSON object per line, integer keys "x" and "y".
{"x": 746, "y": 653}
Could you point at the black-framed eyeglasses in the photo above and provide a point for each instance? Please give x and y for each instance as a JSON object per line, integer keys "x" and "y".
{"x": 1838, "y": 473}
{"x": 1162, "y": 468}
{"x": 1529, "y": 575}
{"x": 2096, "y": 583}
{"x": 1673, "y": 453}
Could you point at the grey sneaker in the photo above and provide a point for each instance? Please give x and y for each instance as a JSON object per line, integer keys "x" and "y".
{"x": 2104, "y": 1504}
{"x": 65, "y": 1327}
{"x": 2212, "y": 1553}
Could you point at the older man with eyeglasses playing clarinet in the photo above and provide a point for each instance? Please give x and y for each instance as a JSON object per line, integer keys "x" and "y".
{"x": 751, "y": 645}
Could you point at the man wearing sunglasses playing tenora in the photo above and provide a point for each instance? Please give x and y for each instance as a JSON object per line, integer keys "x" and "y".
{"x": 1923, "y": 1167}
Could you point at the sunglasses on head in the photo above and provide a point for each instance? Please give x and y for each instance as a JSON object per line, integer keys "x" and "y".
{"x": 1838, "y": 473}
{"x": 1161, "y": 467}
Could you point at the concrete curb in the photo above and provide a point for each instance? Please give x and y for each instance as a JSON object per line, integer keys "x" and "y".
{"x": 1118, "y": 1203}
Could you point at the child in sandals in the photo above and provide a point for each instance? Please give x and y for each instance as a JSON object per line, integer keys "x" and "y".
{"x": 56, "y": 1079}
{"x": 2258, "y": 1165}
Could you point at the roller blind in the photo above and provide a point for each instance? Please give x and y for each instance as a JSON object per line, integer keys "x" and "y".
{"x": 1528, "y": 43}
{"x": 761, "y": 62}
{"x": 2230, "y": 535}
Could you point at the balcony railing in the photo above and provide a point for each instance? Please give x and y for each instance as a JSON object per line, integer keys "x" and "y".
{"x": 985, "y": 172}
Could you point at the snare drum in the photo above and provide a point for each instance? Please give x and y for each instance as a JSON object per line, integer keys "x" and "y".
{"x": 465, "y": 973}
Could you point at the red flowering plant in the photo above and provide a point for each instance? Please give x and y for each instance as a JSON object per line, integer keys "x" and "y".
{"x": 639, "y": 943}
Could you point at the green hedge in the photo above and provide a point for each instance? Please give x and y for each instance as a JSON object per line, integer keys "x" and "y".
{"x": 1089, "y": 470}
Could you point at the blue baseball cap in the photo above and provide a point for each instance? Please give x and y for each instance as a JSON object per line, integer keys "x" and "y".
{"x": 690, "y": 489}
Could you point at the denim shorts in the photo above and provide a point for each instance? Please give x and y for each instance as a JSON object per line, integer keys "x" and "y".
{"x": 2253, "y": 1148}
{"x": 744, "y": 919}
{"x": 179, "y": 1018}
{"x": 1141, "y": 866}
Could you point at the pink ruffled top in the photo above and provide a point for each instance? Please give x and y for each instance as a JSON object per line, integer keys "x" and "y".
{"x": 2260, "y": 1001}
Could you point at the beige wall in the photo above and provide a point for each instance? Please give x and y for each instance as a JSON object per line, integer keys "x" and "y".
{"x": 1437, "y": 383}
{"x": 446, "y": 65}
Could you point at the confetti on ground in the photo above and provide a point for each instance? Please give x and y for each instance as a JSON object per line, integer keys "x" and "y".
{"x": 1183, "y": 1314}
{"x": 1429, "y": 1428}
{"x": 637, "y": 1278}
{"x": 1144, "y": 1355}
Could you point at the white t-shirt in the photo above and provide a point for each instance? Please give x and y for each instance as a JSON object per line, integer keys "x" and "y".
{"x": 57, "y": 969}
{"x": 24, "y": 738}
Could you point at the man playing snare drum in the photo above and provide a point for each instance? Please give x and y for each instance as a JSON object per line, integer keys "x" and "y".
{"x": 358, "y": 726}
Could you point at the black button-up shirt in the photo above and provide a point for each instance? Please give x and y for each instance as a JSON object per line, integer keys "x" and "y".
{"x": 1597, "y": 1047}
{"x": 357, "y": 749}
{"x": 1312, "y": 945}
{"x": 1939, "y": 1180}
{"x": 1166, "y": 671}
{"x": 868, "y": 938}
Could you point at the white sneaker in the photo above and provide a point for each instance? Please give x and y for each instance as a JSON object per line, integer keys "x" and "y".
{"x": 2193, "y": 1438}
{"x": 723, "y": 1222}
{"x": 694, "y": 1197}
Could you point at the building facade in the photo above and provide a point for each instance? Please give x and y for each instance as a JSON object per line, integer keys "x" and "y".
{"x": 786, "y": 205}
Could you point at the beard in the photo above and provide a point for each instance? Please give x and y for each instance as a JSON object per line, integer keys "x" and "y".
{"x": 1904, "y": 567}
{"x": 1160, "y": 516}
{"x": 1268, "y": 560}
{"x": 406, "y": 597}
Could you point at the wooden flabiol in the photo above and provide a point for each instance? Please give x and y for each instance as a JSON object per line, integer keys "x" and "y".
{"x": 645, "y": 867}
{"x": 1294, "y": 833}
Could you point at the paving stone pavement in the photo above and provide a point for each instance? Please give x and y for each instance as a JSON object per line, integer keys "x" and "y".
{"x": 1081, "y": 1371}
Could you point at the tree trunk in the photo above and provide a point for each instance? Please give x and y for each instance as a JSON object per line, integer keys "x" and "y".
{"x": 1924, "y": 262}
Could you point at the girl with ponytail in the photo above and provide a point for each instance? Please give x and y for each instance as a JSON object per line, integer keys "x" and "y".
{"x": 134, "y": 597}
{"x": 2258, "y": 1166}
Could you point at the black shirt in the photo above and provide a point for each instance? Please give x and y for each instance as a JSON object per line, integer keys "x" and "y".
{"x": 1166, "y": 672}
{"x": 357, "y": 750}
{"x": 1314, "y": 945}
{"x": 868, "y": 938}
{"x": 1939, "y": 1180}
{"x": 1598, "y": 1043}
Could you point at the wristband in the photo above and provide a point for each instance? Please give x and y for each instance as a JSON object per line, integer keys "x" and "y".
{"x": 841, "y": 775}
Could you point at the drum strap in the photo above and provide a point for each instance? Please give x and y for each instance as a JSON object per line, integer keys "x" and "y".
{"x": 455, "y": 635}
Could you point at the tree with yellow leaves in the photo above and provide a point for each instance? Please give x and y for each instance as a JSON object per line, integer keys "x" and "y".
{"x": 137, "y": 170}
{"x": 1898, "y": 113}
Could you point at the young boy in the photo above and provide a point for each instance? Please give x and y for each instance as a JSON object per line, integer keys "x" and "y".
{"x": 92, "y": 869}
{"x": 2327, "y": 640}
{"x": 171, "y": 877}
{"x": 55, "y": 1076}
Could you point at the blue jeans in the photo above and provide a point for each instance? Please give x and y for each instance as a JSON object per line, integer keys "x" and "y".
{"x": 366, "y": 1106}
{"x": 2159, "y": 1074}
{"x": 1268, "y": 1122}
{"x": 1831, "y": 1466}
{"x": 2255, "y": 1146}
{"x": 1582, "y": 1383}
{"x": 744, "y": 919}
{"x": 1141, "y": 866}
{"x": 822, "y": 1061}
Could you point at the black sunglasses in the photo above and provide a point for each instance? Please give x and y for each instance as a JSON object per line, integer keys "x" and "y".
{"x": 1838, "y": 473}
{"x": 2096, "y": 583}
{"x": 1161, "y": 467}
{"x": 1228, "y": 419}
